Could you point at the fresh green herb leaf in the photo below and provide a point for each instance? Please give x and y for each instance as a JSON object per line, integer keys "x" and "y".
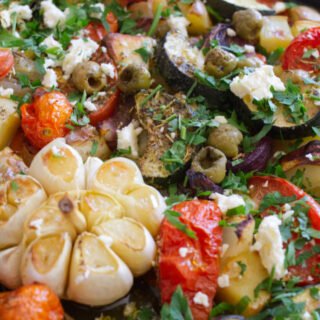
{"x": 144, "y": 53}
{"x": 240, "y": 210}
{"x": 274, "y": 199}
{"x": 155, "y": 21}
{"x": 94, "y": 148}
{"x": 242, "y": 266}
{"x": 249, "y": 143}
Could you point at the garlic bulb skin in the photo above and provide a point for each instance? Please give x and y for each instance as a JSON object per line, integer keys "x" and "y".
{"x": 97, "y": 276}
{"x": 21, "y": 196}
{"x": 131, "y": 241}
{"x": 46, "y": 260}
{"x": 58, "y": 167}
{"x": 10, "y": 260}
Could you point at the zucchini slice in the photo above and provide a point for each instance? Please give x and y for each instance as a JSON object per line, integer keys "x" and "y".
{"x": 226, "y": 8}
{"x": 177, "y": 61}
{"x": 154, "y": 116}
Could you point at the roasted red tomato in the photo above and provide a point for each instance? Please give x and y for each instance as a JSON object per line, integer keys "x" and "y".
{"x": 260, "y": 186}
{"x": 191, "y": 263}
{"x": 303, "y": 52}
{"x": 6, "y": 62}
{"x": 32, "y": 302}
{"x": 45, "y": 118}
{"x": 97, "y": 31}
{"x": 107, "y": 109}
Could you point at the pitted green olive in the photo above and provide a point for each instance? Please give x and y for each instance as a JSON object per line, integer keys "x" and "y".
{"x": 89, "y": 77}
{"x": 211, "y": 162}
{"x": 219, "y": 62}
{"x": 226, "y": 138}
{"x": 133, "y": 78}
{"x": 247, "y": 24}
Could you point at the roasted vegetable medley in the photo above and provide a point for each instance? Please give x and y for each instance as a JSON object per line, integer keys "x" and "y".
{"x": 159, "y": 159}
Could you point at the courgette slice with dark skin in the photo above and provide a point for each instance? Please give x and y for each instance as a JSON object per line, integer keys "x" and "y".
{"x": 287, "y": 131}
{"x": 180, "y": 77}
{"x": 154, "y": 116}
{"x": 226, "y": 8}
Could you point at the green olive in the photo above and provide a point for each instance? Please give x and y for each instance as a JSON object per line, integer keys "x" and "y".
{"x": 211, "y": 162}
{"x": 226, "y": 138}
{"x": 133, "y": 78}
{"x": 247, "y": 24}
{"x": 89, "y": 77}
{"x": 219, "y": 62}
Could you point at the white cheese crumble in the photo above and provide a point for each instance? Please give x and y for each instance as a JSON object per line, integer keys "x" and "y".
{"x": 183, "y": 251}
{"x": 306, "y": 316}
{"x": 98, "y": 9}
{"x": 50, "y": 79}
{"x": 279, "y": 7}
{"x": 15, "y": 11}
{"x": 226, "y": 203}
{"x": 309, "y": 156}
{"x": 79, "y": 51}
{"x": 270, "y": 247}
{"x": 108, "y": 69}
{"x": 49, "y": 42}
{"x": 224, "y": 281}
{"x": 178, "y": 24}
{"x": 128, "y": 138}
{"x": 52, "y": 15}
{"x": 89, "y": 105}
{"x": 249, "y": 49}
{"x": 257, "y": 84}
{"x": 201, "y": 298}
{"x": 231, "y": 32}
{"x": 6, "y": 93}
{"x": 179, "y": 50}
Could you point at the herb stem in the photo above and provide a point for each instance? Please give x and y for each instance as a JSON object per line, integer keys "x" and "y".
{"x": 152, "y": 94}
{"x": 155, "y": 21}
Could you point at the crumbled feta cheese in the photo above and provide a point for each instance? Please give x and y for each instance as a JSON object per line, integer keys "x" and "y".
{"x": 266, "y": 184}
{"x": 249, "y": 49}
{"x": 288, "y": 214}
{"x": 226, "y": 203}
{"x": 183, "y": 252}
{"x": 270, "y": 247}
{"x": 98, "y": 9}
{"x": 178, "y": 48}
{"x": 22, "y": 12}
{"x": 224, "y": 281}
{"x": 52, "y": 15}
{"x": 128, "y": 138}
{"x": 220, "y": 119}
{"x": 50, "y": 79}
{"x": 306, "y": 316}
{"x": 201, "y": 298}
{"x": 108, "y": 69}
{"x": 104, "y": 49}
{"x": 49, "y": 42}
{"x": 6, "y": 93}
{"x": 315, "y": 54}
{"x": 89, "y": 105}
{"x": 309, "y": 156}
{"x": 279, "y": 7}
{"x": 257, "y": 84}
{"x": 231, "y": 32}
{"x": 80, "y": 51}
{"x": 178, "y": 24}
{"x": 286, "y": 207}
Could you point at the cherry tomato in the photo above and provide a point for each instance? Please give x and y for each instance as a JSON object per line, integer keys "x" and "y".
{"x": 259, "y": 187}
{"x": 97, "y": 31}
{"x": 6, "y": 62}
{"x": 45, "y": 118}
{"x": 197, "y": 270}
{"x": 293, "y": 56}
{"x": 269, "y": 3}
{"x": 106, "y": 110}
{"x": 32, "y": 302}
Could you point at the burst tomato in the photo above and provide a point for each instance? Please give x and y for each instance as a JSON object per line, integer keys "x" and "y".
{"x": 32, "y": 302}
{"x": 6, "y": 62}
{"x": 195, "y": 270}
{"x": 259, "y": 187}
{"x": 46, "y": 117}
{"x": 97, "y": 31}
{"x": 296, "y": 57}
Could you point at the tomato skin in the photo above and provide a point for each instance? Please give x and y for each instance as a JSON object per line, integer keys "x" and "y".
{"x": 97, "y": 31}
{"x": 198, "y": 271}
{"x": 6, "y": 62}
{"x": 292, "y": 58}
{"x": 107, "y": 110}
{"x": 32, "y": 302}
{"x": 259, "y": 186}
{"x": 45, "y": 118}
